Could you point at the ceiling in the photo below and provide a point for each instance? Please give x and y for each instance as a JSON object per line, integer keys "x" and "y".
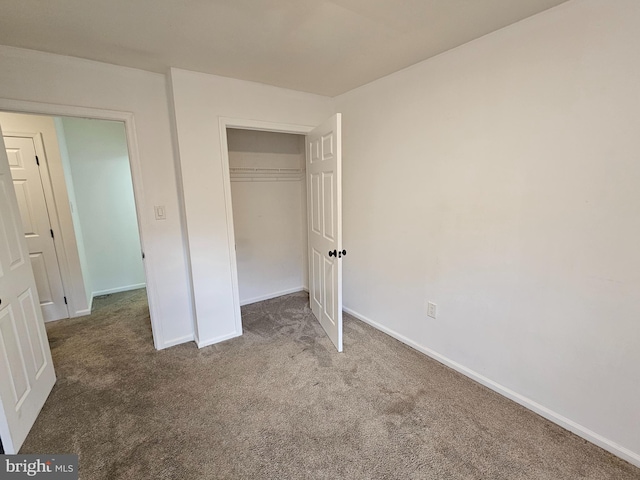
{"x": 320, "y": 46}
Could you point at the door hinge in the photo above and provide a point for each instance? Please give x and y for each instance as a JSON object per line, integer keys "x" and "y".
{"x": 51, "y": 233}
{"x": 37, "y": 160}
{"x": 143, "y": 255}
{"x": 65, "y": 301}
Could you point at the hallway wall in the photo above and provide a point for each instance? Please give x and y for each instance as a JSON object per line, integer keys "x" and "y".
{"x": 101, "y": 176}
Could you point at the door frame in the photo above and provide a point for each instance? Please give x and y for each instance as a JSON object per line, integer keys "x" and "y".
{"x": 55, "y": 110}
{"x": 243, "y": 124}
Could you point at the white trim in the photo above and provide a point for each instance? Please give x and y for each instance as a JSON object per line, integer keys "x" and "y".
{"x": 21, "y": 106}
{"x": 231, "y": 239}
{"x": 182, "y": 208}
{"x": 109, "y": 291}
{"x": 91, "y": 304}
{"x": 219, "y": 339}
{"x": 82, "y": 313}
{"x": 269, "y": 296}
{"x": 526, "y": 402}
{"x": 246, "y": 124}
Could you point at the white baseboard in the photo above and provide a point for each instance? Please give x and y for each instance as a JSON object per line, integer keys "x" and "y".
{"x": 222, "y": 338}
{"x": 269, "y": 296}
{"x": 84, "y": 311}
{"x": 109, "y": 291}
{"x": 591, "y": 436}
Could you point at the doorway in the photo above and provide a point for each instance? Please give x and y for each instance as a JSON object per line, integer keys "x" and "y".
{"x": 262, "y": 156}
{"x": 267, "y": 173}
{"x": 73, "y": 179}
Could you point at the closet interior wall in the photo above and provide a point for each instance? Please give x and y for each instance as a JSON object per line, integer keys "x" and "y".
{"x": 268, "y": 191}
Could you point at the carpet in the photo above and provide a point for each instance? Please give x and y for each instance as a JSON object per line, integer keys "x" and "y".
{"x": 281, "y": 403}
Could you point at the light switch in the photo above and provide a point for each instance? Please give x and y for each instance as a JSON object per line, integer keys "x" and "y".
{"x": 161, "y": 213}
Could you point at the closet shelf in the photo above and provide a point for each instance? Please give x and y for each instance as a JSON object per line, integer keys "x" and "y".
{"x": 244, "y": 174}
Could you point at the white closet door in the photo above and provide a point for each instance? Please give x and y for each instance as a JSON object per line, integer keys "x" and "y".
{"x": 324, "y": 193}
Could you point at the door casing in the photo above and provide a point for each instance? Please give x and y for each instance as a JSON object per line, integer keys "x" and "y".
{"x": 37, "y": 108}
{"x": 244, "y": 124}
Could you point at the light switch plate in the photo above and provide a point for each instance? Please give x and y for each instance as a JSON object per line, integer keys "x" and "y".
{"x": 161, "y": 213}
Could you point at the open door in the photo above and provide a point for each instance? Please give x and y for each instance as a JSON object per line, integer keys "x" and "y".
{"x": 26, "y": 369}
{"x": 324, "y": 203}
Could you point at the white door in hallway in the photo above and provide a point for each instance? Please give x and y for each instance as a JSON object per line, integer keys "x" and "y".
{"x": 324, "y": 203}
{"x": 26, "y": 369}
{"x": 29, "y": 182}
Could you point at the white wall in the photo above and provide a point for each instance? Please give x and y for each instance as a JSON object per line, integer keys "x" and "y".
{"x": 77, "y": 227}
{"x": 199, "y": 101}
{"x": 52, "y": 79}
{"x": 500, "y": 180}
{"x": 269, "y": 214}
{"x": 101, "y": 176}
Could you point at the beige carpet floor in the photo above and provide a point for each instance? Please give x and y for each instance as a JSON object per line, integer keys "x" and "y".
{"x": 280, "y": 403}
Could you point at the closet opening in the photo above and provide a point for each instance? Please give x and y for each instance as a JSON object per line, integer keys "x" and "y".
{"x": 269, "y": 209}
{"x": 283, "y": 202}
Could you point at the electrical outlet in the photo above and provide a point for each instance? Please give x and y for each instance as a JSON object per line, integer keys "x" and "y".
{"x": 431, "y": 309}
